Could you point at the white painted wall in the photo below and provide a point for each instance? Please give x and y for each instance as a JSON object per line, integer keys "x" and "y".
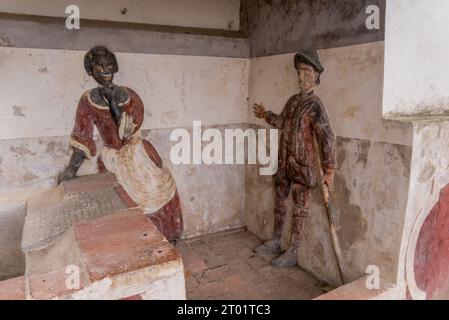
{"x": 213, "y": 14}
{"x": 351, "y": 89}
{"x": 416, "y": 58}
{"x": 40, "y": 90}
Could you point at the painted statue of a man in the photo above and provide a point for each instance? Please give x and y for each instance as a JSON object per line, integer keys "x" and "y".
{"x": 302, "y": 122}
{"x": 117, "y": 112}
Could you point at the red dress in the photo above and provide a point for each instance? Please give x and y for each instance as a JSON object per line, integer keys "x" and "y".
{"x": 133, "y": 160}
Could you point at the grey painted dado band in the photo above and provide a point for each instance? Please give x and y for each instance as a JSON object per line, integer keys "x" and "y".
{"x": 24, "y": 31}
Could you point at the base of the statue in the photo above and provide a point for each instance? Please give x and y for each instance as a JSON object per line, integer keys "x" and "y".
{"x": 86, "y": 239}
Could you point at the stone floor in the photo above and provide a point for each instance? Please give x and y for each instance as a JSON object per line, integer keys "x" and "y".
{"x": 223, "y": 266}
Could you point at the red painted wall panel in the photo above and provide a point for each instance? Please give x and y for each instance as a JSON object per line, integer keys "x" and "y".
{"x": 432, "y": 251}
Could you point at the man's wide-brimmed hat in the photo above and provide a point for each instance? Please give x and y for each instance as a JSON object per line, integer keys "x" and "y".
{"x": 311, "y": 58}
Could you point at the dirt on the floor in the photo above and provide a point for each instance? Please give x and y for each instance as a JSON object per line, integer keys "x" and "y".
{"x": 223, "y": 266}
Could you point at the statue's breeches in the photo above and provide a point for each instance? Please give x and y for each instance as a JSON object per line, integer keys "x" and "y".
{"x": 301, "y": 198}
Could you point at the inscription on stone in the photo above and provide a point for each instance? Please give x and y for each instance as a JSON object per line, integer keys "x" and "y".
{"x": 44, "y": 225}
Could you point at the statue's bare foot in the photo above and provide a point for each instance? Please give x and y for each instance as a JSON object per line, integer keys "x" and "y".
{"x": 287, "y": 260}
{"x": 270, "y": 247}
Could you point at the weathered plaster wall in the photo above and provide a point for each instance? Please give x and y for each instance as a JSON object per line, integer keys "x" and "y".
{"x": 373, "y": 162}
{"x": 212, "y": 196}
{"x": 176, "y": 89}
{"x": 284, "y": 26}
{"x": 214, "y": 14}
{"x": 416, "y": 64}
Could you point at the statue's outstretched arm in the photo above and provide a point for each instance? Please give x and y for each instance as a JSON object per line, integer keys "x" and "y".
{"x": 70, "y": 171}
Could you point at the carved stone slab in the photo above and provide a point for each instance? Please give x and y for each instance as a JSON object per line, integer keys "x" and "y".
{"x": 56, "y": 211}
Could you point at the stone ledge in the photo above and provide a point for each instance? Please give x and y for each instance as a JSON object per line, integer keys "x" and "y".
{"x": 121, "y": 255}
{"x": 357, "y": 290}
{"x": 411, "y": 118}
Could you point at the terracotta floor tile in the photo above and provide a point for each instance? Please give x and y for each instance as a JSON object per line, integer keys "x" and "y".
{"x": 241, "y": 288}
{"x": 235, "y": 272}
{"x": 208, "y": 291}
{"x": 257, "y": 261}
{"x": 249, "y": 273}
{"x": 193, "y": 263}
{"x": 217, "y": 274}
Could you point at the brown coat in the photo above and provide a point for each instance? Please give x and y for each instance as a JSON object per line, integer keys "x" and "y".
{"x": 303, "y": 119}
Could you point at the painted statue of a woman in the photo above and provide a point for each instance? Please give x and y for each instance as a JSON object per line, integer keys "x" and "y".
{"x": 117, "y": 112}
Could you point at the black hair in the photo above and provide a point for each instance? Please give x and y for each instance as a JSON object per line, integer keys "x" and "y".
{"x": 91, "y": 57}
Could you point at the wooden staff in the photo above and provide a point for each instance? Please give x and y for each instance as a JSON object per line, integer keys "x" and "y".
{"x": 331, "y": 214}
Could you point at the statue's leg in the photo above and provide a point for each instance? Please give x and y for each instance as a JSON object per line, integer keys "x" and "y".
{"x": 301, "y": 199}
{"x": 168, "y": 220}
{"x": 282, "y": 190}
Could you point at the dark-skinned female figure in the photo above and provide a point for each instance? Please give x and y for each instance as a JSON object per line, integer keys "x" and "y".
{"x": 117, "y": 112}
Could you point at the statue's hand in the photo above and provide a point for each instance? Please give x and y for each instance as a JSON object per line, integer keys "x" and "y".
{"x": 67, "y": 174}
{"x": 259, "y": 111}
{"x": 126, "y": 128}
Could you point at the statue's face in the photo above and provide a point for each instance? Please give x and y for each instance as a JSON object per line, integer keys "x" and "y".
{"x": 103, "y": 71}
{"x": 307, "y": 77}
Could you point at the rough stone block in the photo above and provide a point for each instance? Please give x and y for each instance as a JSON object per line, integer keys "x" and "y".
{"x": 121, "y": 243}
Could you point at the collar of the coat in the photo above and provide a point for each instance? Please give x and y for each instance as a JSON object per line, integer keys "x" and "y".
{"x": 95, "y": 105}
{"x": 304, "y": 96}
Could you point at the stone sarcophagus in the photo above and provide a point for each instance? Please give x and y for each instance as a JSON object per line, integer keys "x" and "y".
{"x": 86, "y": 239}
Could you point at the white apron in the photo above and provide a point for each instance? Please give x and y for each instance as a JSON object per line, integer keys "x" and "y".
{"x": 148, "y": 185}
